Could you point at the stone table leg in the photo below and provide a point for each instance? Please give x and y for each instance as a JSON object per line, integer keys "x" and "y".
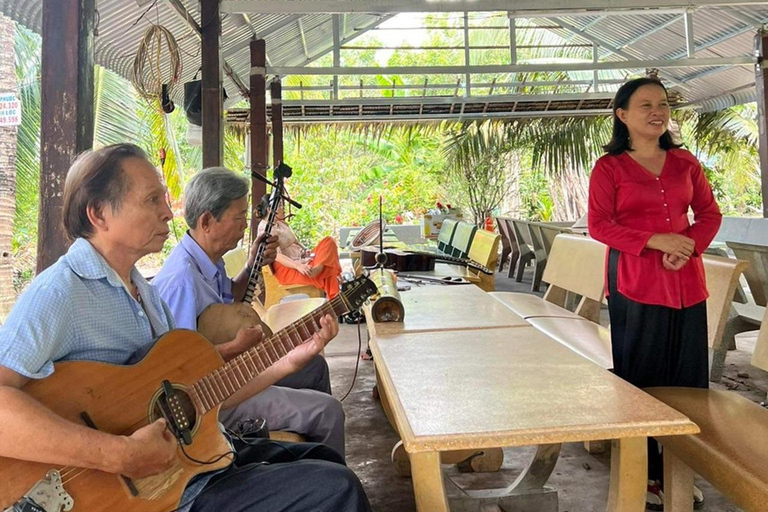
{"x": 678, "y": 484}
{"x": 629, "y": 475}
{"x": 428, "y": 485}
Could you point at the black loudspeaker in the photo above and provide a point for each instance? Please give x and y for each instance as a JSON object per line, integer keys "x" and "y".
{"x": 193, "y": 102}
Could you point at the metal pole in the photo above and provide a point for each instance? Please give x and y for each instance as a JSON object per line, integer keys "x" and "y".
{"x": 336, "y": 54}
{"x": 761, "y": 90}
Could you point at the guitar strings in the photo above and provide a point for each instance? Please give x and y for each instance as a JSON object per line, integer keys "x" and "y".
{"x": 237, "y": 363}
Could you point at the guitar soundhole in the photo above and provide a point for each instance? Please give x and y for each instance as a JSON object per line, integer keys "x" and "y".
{"x": 181, "y": 409}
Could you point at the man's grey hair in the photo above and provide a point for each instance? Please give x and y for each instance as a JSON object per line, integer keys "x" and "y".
{"x": 212, "y": 190}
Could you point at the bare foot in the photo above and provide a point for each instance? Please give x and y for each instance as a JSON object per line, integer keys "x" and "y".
{"x": 316, "y": 271}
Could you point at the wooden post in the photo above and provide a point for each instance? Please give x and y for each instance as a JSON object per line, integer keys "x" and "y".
{"x": 275, "y": 89}
{"x": 258, "y": 125}
{"x": 213, "y": 118}
{"x": 761, "y": 91}
{"x": 66, "y": 126}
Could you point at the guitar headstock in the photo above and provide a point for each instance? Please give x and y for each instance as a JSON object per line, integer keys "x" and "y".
{"x": 357, "y": 291}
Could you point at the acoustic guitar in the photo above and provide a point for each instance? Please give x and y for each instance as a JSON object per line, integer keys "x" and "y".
{"x": 182, "y": 379}
{"x": 407, "y": 259}
{"x": 220, "y": 322}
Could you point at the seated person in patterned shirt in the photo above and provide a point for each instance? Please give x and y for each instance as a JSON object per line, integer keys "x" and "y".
{"x": 193, "y": 277}
{"x": 93, "y": 304}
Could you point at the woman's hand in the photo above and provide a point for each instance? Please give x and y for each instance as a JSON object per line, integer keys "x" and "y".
{"x": 672, "y": 244}
{"x": 673, "y": 263}
{"x": 303, "y": 268}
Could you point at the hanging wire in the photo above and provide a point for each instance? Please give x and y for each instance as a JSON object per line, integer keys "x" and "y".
{"x": 149, "y": 74}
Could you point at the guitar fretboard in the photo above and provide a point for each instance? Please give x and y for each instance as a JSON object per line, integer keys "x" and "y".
{"x": 219, "y": 385}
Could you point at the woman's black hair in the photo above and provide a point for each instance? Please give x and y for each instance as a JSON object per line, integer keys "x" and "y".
{"x": 620, "y": 139}
{"x": 262, "y": 206}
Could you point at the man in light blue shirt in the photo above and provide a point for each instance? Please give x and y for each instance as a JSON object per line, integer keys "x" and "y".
{"x": 193, "y": 277}
{"x": 94, "y": 305}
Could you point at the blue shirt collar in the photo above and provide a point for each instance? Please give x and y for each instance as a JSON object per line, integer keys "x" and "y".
{"x": 88, "y": 263}
{"x": 209, "y": 270}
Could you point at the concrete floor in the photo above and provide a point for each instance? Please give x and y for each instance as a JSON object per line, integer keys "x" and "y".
{"x": 581, "y": 479}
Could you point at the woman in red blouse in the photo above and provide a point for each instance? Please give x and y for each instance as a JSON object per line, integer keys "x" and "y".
{"x": 639, "y": 196}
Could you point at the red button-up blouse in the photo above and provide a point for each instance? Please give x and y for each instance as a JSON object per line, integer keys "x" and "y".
{"x": 628, "y": 204}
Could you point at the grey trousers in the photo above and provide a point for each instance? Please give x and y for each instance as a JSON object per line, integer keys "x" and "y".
{"x": 299, "y": 403}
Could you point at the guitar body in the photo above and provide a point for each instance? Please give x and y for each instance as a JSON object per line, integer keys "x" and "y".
{"x": 118, "y": 400}
{"x": 219, "y": 323}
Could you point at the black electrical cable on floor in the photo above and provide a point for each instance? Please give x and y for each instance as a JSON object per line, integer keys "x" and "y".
{"x": 357, "y": 361}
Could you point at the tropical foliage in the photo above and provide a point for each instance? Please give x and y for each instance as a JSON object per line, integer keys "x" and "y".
{"x": 532, "y": 168}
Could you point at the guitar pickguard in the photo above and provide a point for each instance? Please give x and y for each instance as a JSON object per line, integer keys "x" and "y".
{"x": 47, "y": 495}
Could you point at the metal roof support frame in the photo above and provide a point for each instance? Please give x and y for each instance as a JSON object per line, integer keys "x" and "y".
{"x": 512, "y": 40}
{"x": 761, "y": 86}
{"x": 336, "y": 53}
{"x": 522, "y": 7}
{"x": 520, "y": 68}
{"x": 690, "y": 43}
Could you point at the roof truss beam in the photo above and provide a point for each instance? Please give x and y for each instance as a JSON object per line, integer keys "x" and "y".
{"x": 521, "y": 68}
{"x": 521, "y": 7}
{"x": 603, "y": 44}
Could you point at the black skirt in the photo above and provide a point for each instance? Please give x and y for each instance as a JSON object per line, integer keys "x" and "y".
{"x": 656, "y": 346}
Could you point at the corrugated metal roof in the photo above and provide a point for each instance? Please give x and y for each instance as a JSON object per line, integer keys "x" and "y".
{"x": 718, "y": 32}
{"x": 121, "y": 30}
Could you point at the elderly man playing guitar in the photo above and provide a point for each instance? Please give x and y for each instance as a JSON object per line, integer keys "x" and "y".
{"x": 93, "y": 310}
{"x": 193, "y": 278}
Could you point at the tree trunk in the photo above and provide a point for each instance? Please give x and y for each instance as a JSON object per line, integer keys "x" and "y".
{"x": 7, "y": 170}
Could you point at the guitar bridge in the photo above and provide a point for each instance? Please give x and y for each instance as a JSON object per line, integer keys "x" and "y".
{"x": 47, "y": 495}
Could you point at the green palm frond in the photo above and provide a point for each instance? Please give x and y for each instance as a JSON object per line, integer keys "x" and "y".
{"x": 115, "y": 120}
{"x": 28, "y": 64}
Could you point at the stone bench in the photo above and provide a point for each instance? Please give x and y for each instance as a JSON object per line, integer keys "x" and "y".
{"x": 577, "y": 266}
{"x": 731, "y": 452}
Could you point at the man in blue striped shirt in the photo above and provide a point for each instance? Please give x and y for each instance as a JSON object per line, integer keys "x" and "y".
{"x": 94, "y": 305}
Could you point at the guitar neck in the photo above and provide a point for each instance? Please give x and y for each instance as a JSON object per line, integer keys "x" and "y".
{"x": 251, "y": 291}
{"x": 219, "y": 385}
{"x": 460, "y": 261}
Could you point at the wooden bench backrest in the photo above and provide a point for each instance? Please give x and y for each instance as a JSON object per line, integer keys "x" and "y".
{"x": 757, "y": 273}
{"x": 462, "y": 239}
{"x": 485, "y": 248}
{"x": 577, "y": 264}
{"x": 445, "y": 237}
{"x": 722, "y": 277}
